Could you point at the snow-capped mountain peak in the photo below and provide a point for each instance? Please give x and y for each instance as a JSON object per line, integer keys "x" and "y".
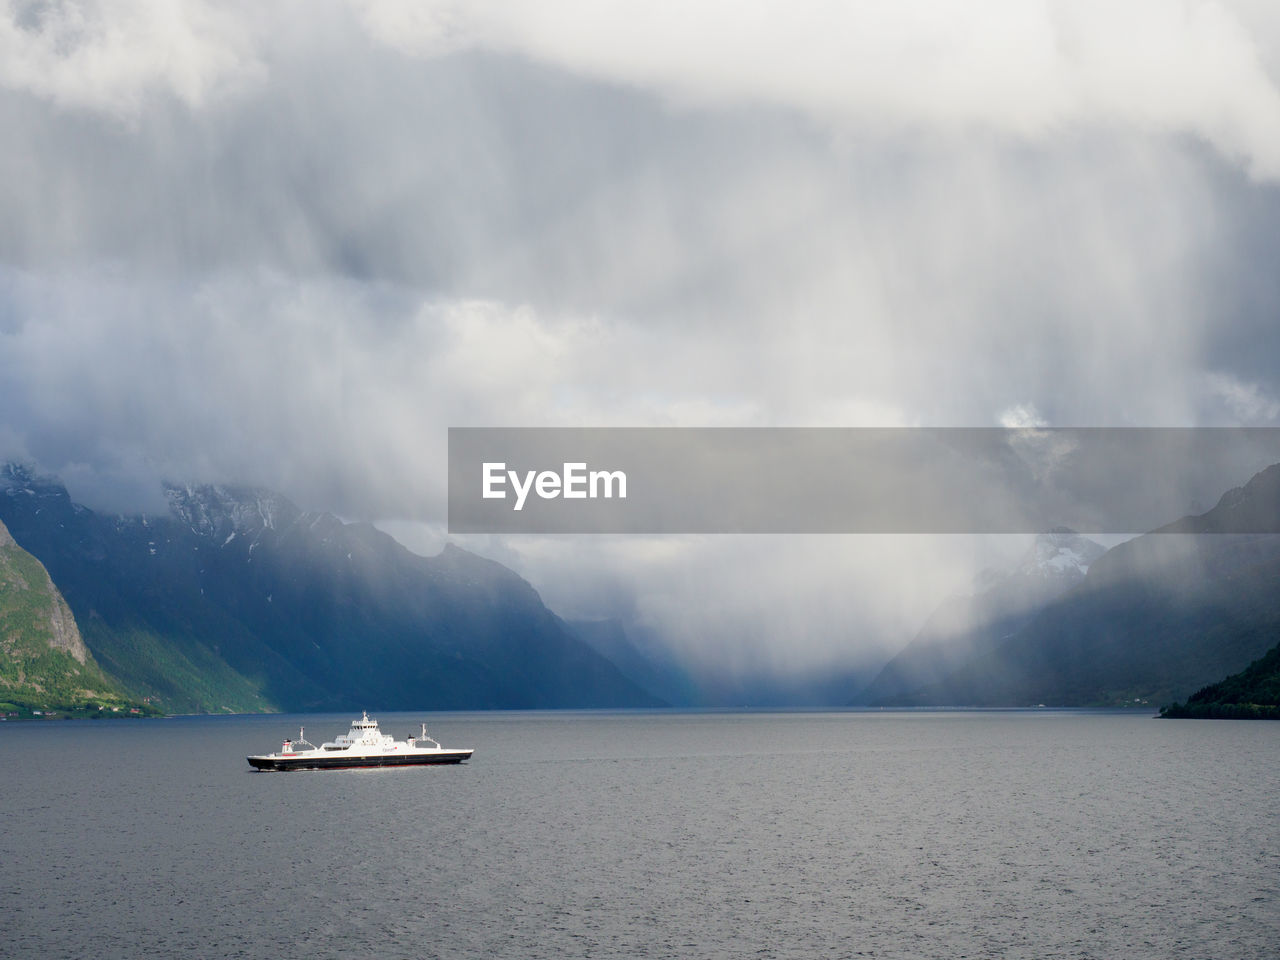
{"x": 18, "y": 479}
{"x": 1060, "y": 553}
{"x": 221, "y": 512}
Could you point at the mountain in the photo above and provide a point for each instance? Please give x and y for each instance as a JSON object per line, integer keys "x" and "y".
{"x": 650, "y": 668}
{"x": 1154, "y": 618}
{"x": 964, "y": 627}
{"x": 1241, "y": 510}
{"x": 1251, "y": 694}
{"x": 44, "y": 664}
{"x": 239, "y": 601}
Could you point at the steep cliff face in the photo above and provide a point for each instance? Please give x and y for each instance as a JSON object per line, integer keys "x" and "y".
{"x": 44, "y": 663}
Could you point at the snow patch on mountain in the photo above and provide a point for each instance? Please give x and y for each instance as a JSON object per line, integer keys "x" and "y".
{"x": 1060, "y": 555}
{"x": 17, "y": 479}
{"x": 223, "y": 512}
{"x": 1061, "y": 552}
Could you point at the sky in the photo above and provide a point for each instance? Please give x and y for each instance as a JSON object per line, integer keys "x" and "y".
{"x": 291, "y": 244}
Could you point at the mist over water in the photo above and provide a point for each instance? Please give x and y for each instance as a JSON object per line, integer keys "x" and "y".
{"x": 1045, "y": 834}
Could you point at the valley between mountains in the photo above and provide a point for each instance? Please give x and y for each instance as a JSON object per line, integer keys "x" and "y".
{"x": 238, "y": 601}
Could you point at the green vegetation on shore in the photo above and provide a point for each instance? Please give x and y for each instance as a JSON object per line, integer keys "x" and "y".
{"x": 75, "y": 711}
{"x": 45, "y": 668}
{"x": 1251, "y": 694}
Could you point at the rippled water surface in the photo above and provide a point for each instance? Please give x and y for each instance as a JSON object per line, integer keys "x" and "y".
{"x": 913, "y": 835}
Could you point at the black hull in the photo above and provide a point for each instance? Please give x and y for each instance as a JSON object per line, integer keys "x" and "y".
{"x": 356, "y": 763}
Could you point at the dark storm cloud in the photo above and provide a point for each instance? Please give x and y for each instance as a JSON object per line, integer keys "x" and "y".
{"x": 291, "y": 245}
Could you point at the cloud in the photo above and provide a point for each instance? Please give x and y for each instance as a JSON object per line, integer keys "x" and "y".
{"x": 745, "y": 608}
{"x": 1027, "y": 71}
{"x": 1247, "y": 402}
{"x": 113, "y": 57}
{"x": 1023, "y": 70}
{"x": 1022, "y": 416}
{"x": 292, "y": 244}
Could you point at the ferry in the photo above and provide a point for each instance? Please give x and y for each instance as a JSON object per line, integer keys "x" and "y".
{"x": 364, "y": 745}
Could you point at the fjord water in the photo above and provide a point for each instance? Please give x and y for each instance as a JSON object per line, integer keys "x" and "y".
{"x": 913, "y": 835}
